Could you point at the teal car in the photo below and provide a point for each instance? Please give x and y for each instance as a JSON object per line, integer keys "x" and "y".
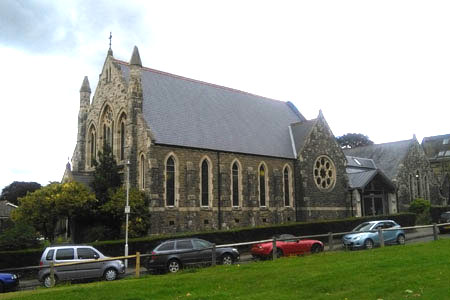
{"x": 365, "y": 235}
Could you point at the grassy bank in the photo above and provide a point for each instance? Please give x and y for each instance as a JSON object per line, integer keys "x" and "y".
{"x": 418, "y": 271}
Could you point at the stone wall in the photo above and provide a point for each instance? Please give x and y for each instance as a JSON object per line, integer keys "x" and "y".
{"x": 188, "y": 214}
{"x": 409, "y": 186}
{"x": 317, "y": 203}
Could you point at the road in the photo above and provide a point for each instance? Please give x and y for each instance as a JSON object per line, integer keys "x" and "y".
{"x": 415, "y": 236}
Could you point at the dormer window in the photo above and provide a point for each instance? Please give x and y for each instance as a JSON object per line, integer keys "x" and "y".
{"x": 357, "y": 161}
{"x": 445, "y": 141}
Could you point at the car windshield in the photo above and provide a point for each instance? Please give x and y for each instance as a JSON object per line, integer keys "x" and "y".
{"x": 363, "y": 227}
{"x": 286, "y": 237}
{"x": 445, "y": 215}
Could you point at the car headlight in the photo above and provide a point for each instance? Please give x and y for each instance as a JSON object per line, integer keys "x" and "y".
{"x": 356, "y": 238}
{"x": 235, "y": 250}
{"x": 13, "y": 276}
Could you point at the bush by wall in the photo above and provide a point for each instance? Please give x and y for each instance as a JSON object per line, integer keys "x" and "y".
{"x": 145, "y": 245}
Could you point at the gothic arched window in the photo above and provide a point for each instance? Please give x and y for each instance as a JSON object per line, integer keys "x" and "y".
{"x": 419, "y": 191}
{"x": 170, "y": 181}
{"x": 92, "y": 147}
{"x": 205, "y": 174}
{"x": 108, "y": 127}
{"x": 235, "y": 184}
{"x": 286, "y": 186}
{"x": 142, "y": 172}
{"x": 262, "y": 185}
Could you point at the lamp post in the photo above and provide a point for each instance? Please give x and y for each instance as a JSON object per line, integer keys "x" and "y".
{"x": 127, "y": 212}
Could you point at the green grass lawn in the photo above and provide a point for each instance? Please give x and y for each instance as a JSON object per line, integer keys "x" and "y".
{"x": 418, "y": 271}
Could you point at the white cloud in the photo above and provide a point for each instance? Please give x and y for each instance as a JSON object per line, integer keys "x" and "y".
{"x": 378, "y": 68}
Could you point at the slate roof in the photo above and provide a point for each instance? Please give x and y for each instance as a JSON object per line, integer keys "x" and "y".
{"x": 6, "y": 208}
{"x": 361, "y": 171}
{"x": 387, "y": 157}
{"x": 435, "y": 148}
{"x": 301, "y": 131}
{"x": 186, "y": 112}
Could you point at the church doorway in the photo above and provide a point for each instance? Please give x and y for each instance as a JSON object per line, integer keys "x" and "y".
{"x": 373, "y": 205}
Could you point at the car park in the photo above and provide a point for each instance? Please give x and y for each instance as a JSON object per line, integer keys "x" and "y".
{"x": 286, "y": 245}
{"x": 173, "y": 255}
{"x": 93, "y": 266}
{"x": 444, "y": 218}
{"x": 8, "y": 282}
{"x": 365, "y": 235}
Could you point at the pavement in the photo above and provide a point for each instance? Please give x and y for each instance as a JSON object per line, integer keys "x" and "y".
{"x": 416, "y": 235}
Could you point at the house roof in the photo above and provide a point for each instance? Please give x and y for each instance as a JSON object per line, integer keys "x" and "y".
{"x": 301, "y": 131}
{"x": 387, "y": 157}
{"x": 361, "y": 171}
{"x": 6, "y": 208}
{"x": 190, "y": 113}
{"x": 437, "y": 147}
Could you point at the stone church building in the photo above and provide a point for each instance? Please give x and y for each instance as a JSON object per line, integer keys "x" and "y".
{"x": 212, "y": 157}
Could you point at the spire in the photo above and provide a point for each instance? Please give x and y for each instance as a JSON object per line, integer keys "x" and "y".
{"x": 135, "y": 58}
{"x": 110, "y": 52}
{"x": 85, "y": 87}
{"x": 320, "y": 114}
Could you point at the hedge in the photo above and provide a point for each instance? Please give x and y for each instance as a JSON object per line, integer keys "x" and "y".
{"x": 31, "y": 257}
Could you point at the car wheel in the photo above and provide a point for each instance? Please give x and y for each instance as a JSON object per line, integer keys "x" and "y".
{"x": 279, "y": 253}
{"x": 368, "y": 244}
{"x": 173, "y": 266}
{"x": 110, "y": 274}
{"x": 227, "y": 259}
{"x": 316, "y": 248}
{"x": 48, "y": 281}
{"x": 401, "y": 239}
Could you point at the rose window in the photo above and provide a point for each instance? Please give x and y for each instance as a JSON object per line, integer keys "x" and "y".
{"x": 324, "y": 173}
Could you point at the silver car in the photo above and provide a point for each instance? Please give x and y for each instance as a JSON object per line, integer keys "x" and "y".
{"x": 109, "y": 270}
{"x": 365, "y": 235}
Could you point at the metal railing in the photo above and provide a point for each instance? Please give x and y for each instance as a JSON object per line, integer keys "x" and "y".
{"x": 138, "y": 256}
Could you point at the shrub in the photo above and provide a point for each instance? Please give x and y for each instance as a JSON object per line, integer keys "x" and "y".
{"x": 421, "y": 208}
{"x": 19, "y": 236}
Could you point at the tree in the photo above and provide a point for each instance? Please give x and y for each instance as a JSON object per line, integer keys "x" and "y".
{"x": 353, "y": 140}
{"x": 18, "y": 189}
{"x": 106, "y": 175}
{"x": 139, "y": 217}
{"x": 19, "y": 236}
{"x": 46, "y": 206}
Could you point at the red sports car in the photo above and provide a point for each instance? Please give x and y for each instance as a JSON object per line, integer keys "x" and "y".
{"x": 288, "y": 245}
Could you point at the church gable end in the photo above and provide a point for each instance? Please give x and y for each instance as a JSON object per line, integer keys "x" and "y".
{"x": 322, "y": 168}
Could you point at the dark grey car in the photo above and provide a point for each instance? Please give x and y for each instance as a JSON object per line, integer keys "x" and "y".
{"x": 172, "y": 255}
{"x": 109, "y": 270}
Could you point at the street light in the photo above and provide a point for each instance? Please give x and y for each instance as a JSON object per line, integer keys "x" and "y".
{"x": 127, "y": 212}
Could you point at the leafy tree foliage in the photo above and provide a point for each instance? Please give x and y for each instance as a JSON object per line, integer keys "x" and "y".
{"x": 139, "y": 217}
{"x": 421, "y": 208}
{"x": 46, "y": 206}
{"x": 18, "y": 189}
{"x": 19, "y": 236}
{"x": 353, "y": 140}
{"x": 106, "y": 175}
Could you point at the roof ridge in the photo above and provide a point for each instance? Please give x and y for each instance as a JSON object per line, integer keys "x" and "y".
{"x": 199, "y": 81}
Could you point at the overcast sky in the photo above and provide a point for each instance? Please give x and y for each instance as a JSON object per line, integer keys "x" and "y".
{"x": 381, "y": 68}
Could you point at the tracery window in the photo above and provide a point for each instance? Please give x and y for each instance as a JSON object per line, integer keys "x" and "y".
{"x": 235, "y": 184}
{"x": 108, "y": 127}
{"x": 324, "y": 173}
{"x": 170, "y": 181}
